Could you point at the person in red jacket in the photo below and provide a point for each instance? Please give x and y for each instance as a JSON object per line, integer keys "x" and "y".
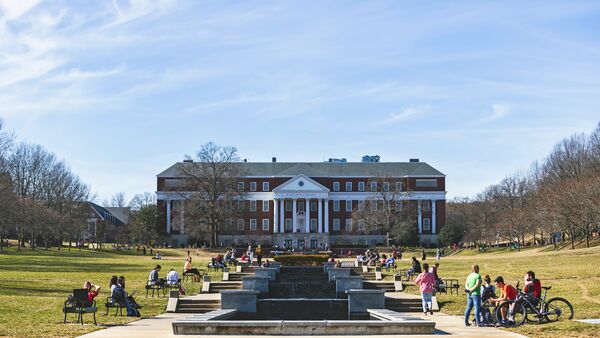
{"x": 93, "y": 290}
{"x": 533, "y": 287}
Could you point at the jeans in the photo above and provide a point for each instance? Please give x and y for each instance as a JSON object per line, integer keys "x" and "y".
{"x": 426, "y": 297}
{"x": 473, "y": 301}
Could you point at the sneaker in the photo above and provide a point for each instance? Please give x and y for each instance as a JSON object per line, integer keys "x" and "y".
{"x": 425, "y": 313}
{"x": 467, "y": 324}
{"x": 431, "y": 312}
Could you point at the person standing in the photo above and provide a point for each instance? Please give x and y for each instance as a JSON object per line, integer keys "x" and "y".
{"x": 423, "y": 255}
{"x": 438, "y": 254}
{"x": 258, "y": 255}
{"x": 426, "y": 283}
{"x": 473, "y": 290}
{"x": 250, "y": 254}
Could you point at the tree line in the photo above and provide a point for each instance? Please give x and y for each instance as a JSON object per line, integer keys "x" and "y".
{"x": 557, "y": 199}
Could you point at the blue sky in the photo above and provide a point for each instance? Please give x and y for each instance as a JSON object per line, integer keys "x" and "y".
{"x": 123, "y": 89}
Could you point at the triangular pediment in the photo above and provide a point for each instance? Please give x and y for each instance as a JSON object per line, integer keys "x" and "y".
{"x": 301, "y": 183}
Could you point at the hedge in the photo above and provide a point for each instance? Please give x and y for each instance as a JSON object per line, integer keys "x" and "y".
{"x": 301, "y": 260}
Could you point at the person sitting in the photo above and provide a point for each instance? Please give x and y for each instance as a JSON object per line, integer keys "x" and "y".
{"x": 389, "y": 262}
{"x": 112, "y": 284}
{"x": 244, "y": 258}
{"x": 266, "y": 264}
{"x": 488, "y": 292}
{"x": 187, "y": 268}
{"x": 533, "y": 287}
{"x": 508, "y": 293}
{"x": 219, "y": 261}
{"x": 92, "y": 289}
{"x": 158, "y": 256}
{"x": 120, "y": 296}
{"x": 153, "y": 277}
{"x": 173, "y": 277}
{"x": 416, "y": 268}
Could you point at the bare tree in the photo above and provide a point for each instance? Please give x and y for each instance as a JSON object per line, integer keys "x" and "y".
{"x": 118, "y": 200}
{"x": 214, "y": 176}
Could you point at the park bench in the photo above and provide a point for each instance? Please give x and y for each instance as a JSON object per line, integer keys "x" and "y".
{"x": 191, "y": 274}
{"x": 111, "y": 304}
{"x": 155, "y": 287}
{"x": 79, "y": 303}
{"x": 409, "y": 277}
{"x": 449, "y": 284}
{"x": 215, "y": 268}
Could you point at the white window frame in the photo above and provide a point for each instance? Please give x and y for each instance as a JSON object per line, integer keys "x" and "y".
{"x": 252, "y": 186}
{"x": 373, "y": 204}
{"x": 373, "y": 186}
{"x": 386, "y": 186}
{"x": 336, "y": 186}
{"x": 240, "y": 224}
{"x": 313, "y": 224}
{"x": 348, "y": 205}
{"x": 348, "y": 224}
{"x": 399, "y": 205}
{"x": 265, "y": 186}
{"x": 399, "y": 185}
{"x": 426, "y": 205}
{"x": 288, "y": 205}
{"x": 336, "y": 205}
{"x": 361, "y": 225}
{"x": 426, "y": 224}
{"x": 253, "y": 205}
{"x": 336, "y": 224}
{"x": 348, "y": 186}
{"x": 265, "y": 224}
{"x": 265, "y": 205}
{"x": 361, "y": 205}
{"x": 290, "y": 222}
{"x": 253, "y": 224}
{"x": 228, "y": 223}
{"x": 361, "y": 186}
{"x": 313, "y": 205}
{"x": 241, "y": 186}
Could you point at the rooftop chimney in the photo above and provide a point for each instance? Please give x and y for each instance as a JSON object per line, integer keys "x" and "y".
{"x": 274, "y": 159}
{"x": 245, "y": 160}
{"x": 413, "y": 160}
{"x": 188, "y": 160}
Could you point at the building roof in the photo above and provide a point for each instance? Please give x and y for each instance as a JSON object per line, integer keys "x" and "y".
{"x": 323, "y": 169}
{"x": 104, "y": 214}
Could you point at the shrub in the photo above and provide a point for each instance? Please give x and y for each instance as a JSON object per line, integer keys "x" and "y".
{"x": 301, "y": 260}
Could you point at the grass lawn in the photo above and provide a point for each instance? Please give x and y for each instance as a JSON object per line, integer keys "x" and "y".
{"x": 35, "y": 284}
{"x": 573, "y": 274}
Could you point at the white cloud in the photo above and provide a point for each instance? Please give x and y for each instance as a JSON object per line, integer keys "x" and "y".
{"x": 405, "y": 114}
{"x": 14, "y": 9}
{"x": 498, "y": 111}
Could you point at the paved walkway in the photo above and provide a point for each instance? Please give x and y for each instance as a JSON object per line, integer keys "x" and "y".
{"x": 160, "y": 326}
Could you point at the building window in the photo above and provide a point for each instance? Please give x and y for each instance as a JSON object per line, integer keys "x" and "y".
{"x": 348, "y": 186}
{"x": 289, "y": 225}
{"x": 265, "y": 205}
{"x": 348, "y": 224}
{"x": 288, "y": 205}
{"x": 373, "y": 205}
{"x": 426, "y": 205}
{"x": 253, "y": 224}
{"x": 361, "y": 186}
{"x": 265, "y": 224}
{"x": 386, "y": 186}
{"x": 300, "y": 206}
{"x": 361, "y": 225}
{"x": 240, "y": 204}
{"x": 373, "y": 186}
{"x": 228, "y": 223}
{"x": 336, "y": 205}
{"x": 361, "y": 205}
{"x": 336, "y": 186}
{"x": 426, "y": 224}
{"x": 265, "y": 186}
{"x": 240, "y": 224}
{"x": 313, "y": 225}
{"x": 336, "y": 224}
{"x": 241, "y": 186}
{"x": 348, "y": 205}
{"x": 313, "y": 205}
{"x": 253, "y": 206}
{"x": 399, "y": 186}
{"x": 426, "y": 183}
{"x": 252, "y": 186}
{"x": 398, "y": 205}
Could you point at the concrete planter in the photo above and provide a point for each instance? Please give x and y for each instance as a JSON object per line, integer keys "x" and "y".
{"x": 327, "y": 266}
{"x": 359, "y": 300}
{"x": 241, "y": 300}
{"x": 266, "y": 272}
{"x": 260, "y": 284}
{"x": 333, "y": 273}
{"x": 343, "y": 284}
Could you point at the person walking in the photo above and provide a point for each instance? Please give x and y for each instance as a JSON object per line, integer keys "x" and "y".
{"x": 438, "y": 254}
{"x": 473, "y": 290}
{"x": 426, "y": 282}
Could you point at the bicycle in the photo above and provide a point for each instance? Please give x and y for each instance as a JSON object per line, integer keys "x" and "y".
{"x": 525, "y": 308}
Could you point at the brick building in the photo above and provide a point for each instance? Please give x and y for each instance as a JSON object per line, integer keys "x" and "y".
{"x": 311, "y": 204}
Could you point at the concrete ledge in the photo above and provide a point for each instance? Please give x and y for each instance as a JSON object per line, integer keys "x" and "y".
{"x": 338, "y": 272}
{"x": 266, "y": 272}
{"x": 327, "y": 266}
{"x": 343, "y": 284}
{"x": 260, "y": 284}
{"x": 241, "y": 300}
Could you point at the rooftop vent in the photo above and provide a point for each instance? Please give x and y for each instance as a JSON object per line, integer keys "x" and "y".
{"x": 273, "y": 159}
{"x": 414, "y": 160}
{"x": 338, "y": 160}
{"x": 369, "y": 158}
{"x": 245, "y": 160}
{"x": 188, "y": 160}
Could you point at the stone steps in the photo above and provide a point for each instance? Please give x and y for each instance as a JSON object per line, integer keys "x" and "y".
{"x": 217, "y": 287}
{"x": 198, "y": 305}
{"x": 237, "y": 276}
{"x": 404, "y": 305}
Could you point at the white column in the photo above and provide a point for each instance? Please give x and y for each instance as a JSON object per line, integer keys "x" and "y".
{"x": 294, "y": 209}
{"x": 320, "y": 215}
{"x": 168, "y": 216}
{"x": 307, "y": 215}
{"x": 275, "y": 205}
{"x": 419, "y": 217}
{"x": 282, "y": 215}
{"x": 182, "y": 217}
{"x": 326, "y": 216}
{"x": 433, "y": 225}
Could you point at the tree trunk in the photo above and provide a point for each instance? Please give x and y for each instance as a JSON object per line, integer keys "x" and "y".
{"x": 542, "y": 236}
{"x": 46, "y": 244}
{"x": 1, "y": 241}
{"x": 572, "y": 241}
{"x": 70, "y": 238}
{"x": 587, "y": 238}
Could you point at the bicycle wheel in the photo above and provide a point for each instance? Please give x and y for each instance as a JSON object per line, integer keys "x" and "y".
{"x": 558, "y": 309}
{"x": 514, "y": 311}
